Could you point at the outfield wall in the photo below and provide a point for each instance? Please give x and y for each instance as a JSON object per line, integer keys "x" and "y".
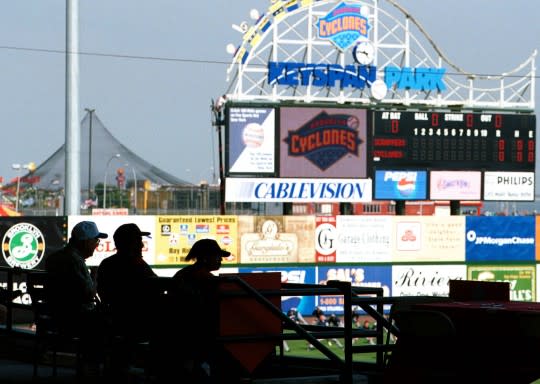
{"x": 405, "y": 255}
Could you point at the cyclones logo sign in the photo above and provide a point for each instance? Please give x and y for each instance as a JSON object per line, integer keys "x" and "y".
{"x": 23, "y": 246}
{"x": 325, "y": 139}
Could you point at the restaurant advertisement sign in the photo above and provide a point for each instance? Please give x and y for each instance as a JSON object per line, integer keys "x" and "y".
{"x": 522, "y": 278}
{"x": 276, "y": 239}
{"x": 425, "y": 280}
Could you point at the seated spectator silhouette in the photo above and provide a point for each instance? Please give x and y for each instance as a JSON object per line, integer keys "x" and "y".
{"x": 193, "y": 342}
{"x": 72, "y": 291}
{"x": 121, "y": 284}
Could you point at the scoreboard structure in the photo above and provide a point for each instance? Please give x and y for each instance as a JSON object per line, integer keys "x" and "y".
{"x": 402, "y": 155}
{"x": 453, "y": 140}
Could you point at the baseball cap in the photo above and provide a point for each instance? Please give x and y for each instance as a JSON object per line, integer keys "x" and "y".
{"x": 127, "y": 232}
{"x": 86, "y": 230}
{"x": 205, "y": 247}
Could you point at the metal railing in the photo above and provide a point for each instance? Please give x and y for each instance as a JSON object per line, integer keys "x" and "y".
{"x": 370, "y": 299}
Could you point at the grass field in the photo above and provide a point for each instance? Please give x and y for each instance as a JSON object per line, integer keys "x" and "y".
{"x": 300, "y": 348}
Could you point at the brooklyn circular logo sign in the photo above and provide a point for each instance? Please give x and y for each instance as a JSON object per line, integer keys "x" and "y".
{"x": 23, "y": 246}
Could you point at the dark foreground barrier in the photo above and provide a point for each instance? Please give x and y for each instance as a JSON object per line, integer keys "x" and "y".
{"x": 264, "y": 326}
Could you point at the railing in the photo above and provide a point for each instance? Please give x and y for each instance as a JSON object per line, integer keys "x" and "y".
{"x": 364, "y": 297}
{"x": 370, "y": 299}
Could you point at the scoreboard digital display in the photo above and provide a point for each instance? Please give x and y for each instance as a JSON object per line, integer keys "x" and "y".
{"x": 453, "y": 140}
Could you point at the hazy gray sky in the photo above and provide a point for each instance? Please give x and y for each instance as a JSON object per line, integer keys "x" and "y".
{"x": 151, "y": 68}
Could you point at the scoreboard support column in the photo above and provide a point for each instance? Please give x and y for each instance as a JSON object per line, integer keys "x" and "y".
{"x": 455, "y": 209}
{"x": 400, "y": 207}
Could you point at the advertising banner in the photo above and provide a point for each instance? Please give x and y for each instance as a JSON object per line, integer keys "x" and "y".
{"x": 455, "y": 185}
{"x": 276, "y": 239}
{"x": 325, "y": 239}
{"x": 366, "y": 276}
{"x": 108, "y": 225}
{"x": 273, "y": 190}
{"x": 176, "y": 234}
{"x": 537, "y": 236}
{"x": 323, "y": 142}
{"x": 28, "y": 240}
{"x": 428, "y": 238}
{"x": 428, "y": 280}
{"x": 251, "y": 141}
{"x": 297, "y": 275}
{"x": 509, "y": 186}
{"x": 362, "y": 239}
{"x": 500, "y": 238}
{"x": 400, "y": 185}
{"x": 522, "y": 278}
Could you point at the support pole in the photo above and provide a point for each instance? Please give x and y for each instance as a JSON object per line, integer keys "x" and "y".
{"x": 73, "y": 137}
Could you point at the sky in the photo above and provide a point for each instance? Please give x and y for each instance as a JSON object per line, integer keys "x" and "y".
{"x": 150, "y": 68}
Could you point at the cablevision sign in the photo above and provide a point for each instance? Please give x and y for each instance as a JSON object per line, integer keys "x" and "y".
{"x": 298, "y": 190}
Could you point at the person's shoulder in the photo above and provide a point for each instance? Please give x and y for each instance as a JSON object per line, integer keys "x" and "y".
{"x": 108, "y": 262}
{"x": 60, "y": 256}
{"x": 61, "y": 252}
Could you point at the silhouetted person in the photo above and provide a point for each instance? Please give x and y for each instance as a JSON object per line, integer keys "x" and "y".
{"x": 72, "y": 291}
{"x": 194, "y": 313}
{"x": 121, "y": 283}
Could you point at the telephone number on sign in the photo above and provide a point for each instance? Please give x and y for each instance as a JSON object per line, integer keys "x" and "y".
{"x": 333, "y": 300}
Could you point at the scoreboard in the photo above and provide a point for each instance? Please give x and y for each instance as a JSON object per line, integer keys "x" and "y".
{"x": 453, "y": 140}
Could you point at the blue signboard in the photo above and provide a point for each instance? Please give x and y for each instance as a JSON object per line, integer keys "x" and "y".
{"x": 304, "y": 275}
{"x": 500, "y": 238}
{"x": 400, "y": 185}
{"x": 368, "y": 276}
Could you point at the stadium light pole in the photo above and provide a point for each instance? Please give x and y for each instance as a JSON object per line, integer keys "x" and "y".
{"x": 134, "y": 187}
{"x": 115, "y": 156}
{"x": 219, "y": 123}
{"x": 91, "y": 113}
{"x": 19, "y": 168}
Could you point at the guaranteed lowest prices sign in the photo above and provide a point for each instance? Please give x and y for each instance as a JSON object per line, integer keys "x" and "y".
{"x": 175, "y": 236}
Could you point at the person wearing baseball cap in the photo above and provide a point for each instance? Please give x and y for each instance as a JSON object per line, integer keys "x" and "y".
{"x": 194, "y": 287}
{"x": 72, "y": 288}
{"x": 122, "y": 280}
{"x": 72, "y": 291}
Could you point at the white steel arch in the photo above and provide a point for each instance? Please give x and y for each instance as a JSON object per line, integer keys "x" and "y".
{"x": 286, "y": 32}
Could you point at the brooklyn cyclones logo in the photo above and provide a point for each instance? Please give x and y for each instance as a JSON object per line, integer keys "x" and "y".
{"x": 325, "y": 139}
{"x": 23, "y": 246}
{"x": 344, "y": 25}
